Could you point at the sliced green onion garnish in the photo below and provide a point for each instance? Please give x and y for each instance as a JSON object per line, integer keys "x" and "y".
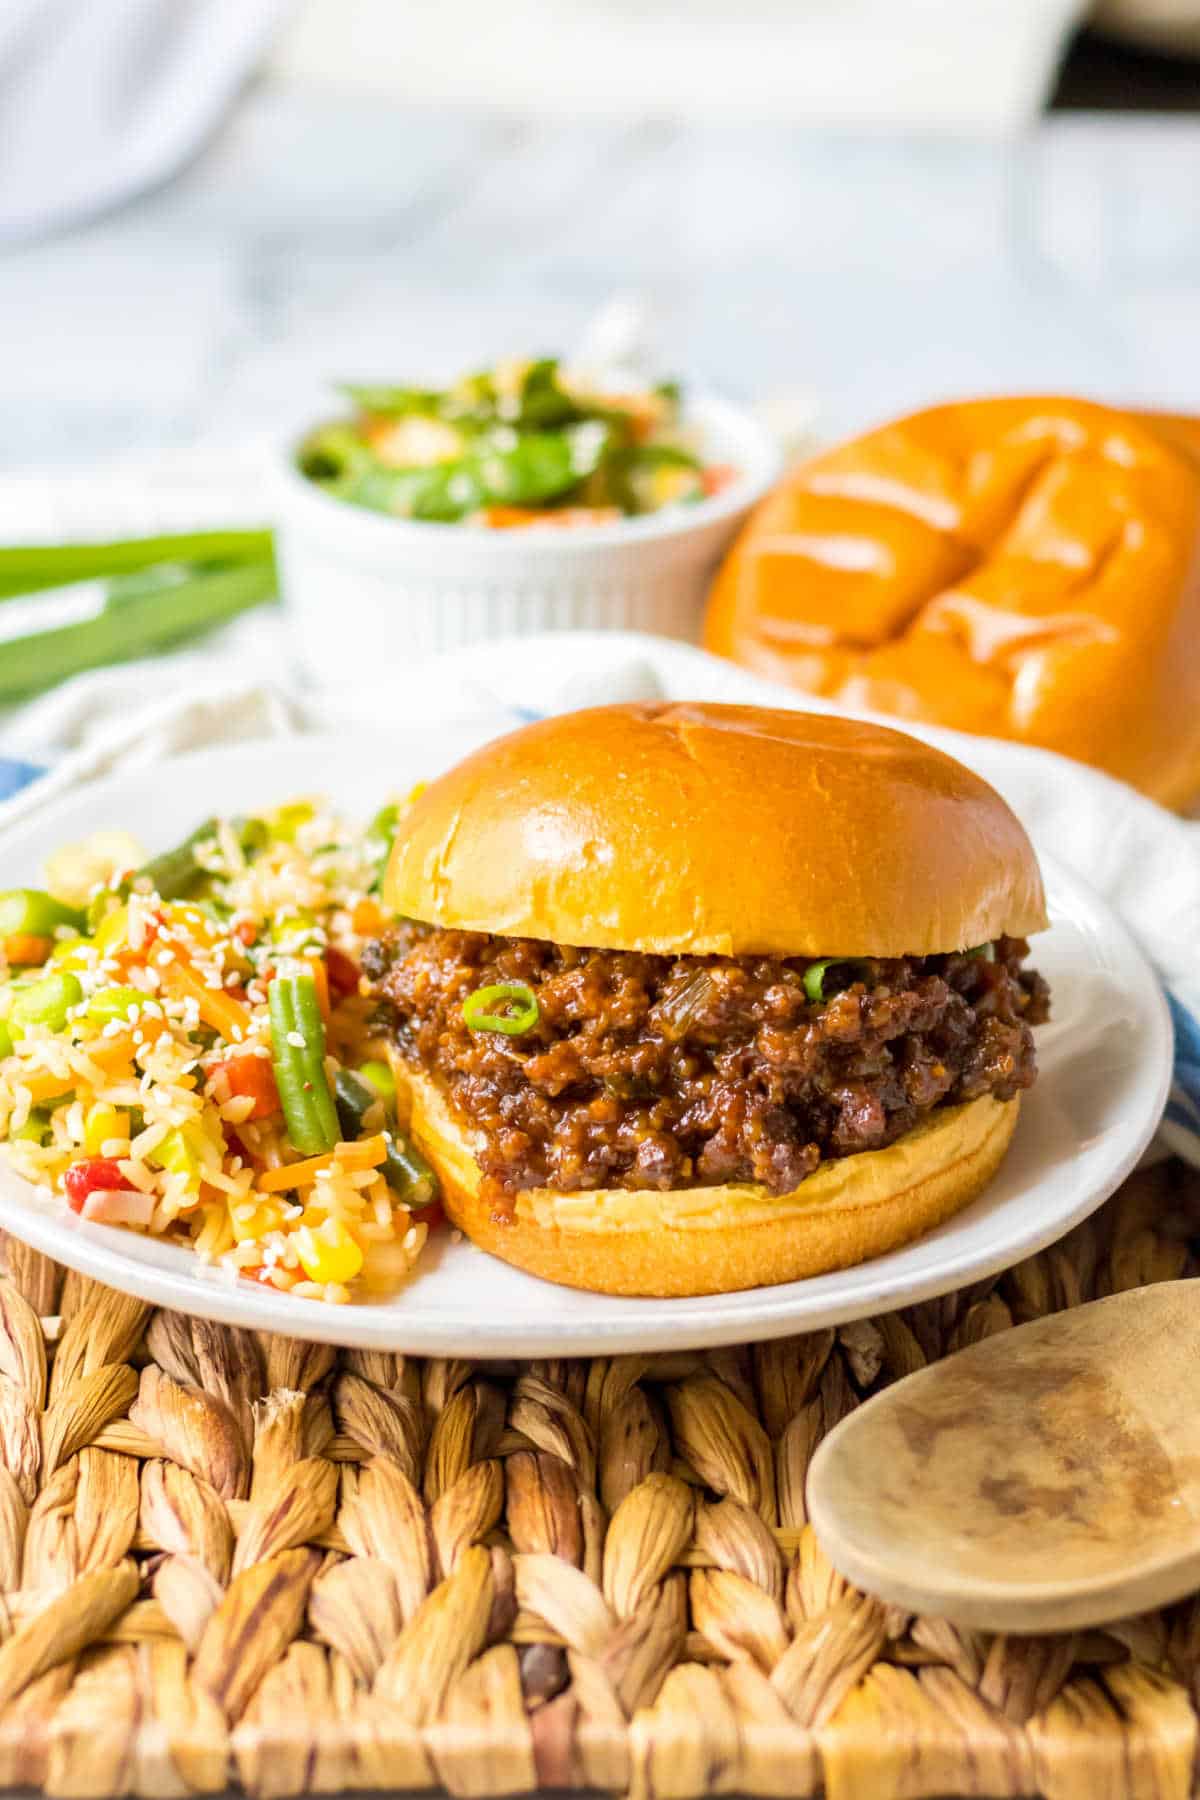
{"x": 814, "y": 980}
{"x": 814, "y": 975}
{"x": 507, "y": 1006}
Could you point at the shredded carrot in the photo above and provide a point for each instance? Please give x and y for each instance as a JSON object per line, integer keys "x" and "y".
{"x": 505, "y": 518}
{"x": 367, "y": 1154}
{"x": 320, "y": 975}
{"x": 716, "y": 477}
{"x": 366, "y": 917}
{"x": 226, "y": 1015}
{"x": 25, "y": 948}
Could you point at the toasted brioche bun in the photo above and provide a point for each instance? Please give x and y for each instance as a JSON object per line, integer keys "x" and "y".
{"x": 1028, "y": 568}
{"x": 717, "y": 1239}
{"x": 691, "y": 829}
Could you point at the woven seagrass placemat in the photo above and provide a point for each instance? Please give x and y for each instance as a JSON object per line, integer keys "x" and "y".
{"x": 226, "y": 1559}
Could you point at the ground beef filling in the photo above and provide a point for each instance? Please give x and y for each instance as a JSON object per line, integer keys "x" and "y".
{"x": 662, "y": 1072}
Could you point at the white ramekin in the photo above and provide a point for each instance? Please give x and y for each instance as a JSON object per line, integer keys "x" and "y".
{"x": 365, "y": 592}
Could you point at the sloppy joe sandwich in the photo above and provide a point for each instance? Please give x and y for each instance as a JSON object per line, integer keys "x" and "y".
{"x": 689, "y": 998}
{"x": 1026, "y": 568}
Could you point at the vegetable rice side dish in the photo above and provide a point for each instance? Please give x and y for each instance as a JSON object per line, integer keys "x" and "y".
{"x": 185, "y": 1051}
{"x": 524, "y": 444}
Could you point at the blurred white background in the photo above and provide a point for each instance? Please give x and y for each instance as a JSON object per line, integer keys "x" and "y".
{"x": 974, "y": 65}
{"x": 860, "y": 202}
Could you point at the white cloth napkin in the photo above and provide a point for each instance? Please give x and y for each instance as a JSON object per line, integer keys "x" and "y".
{"x": 1143, "y": 860}
{"x": 102, "y": 98}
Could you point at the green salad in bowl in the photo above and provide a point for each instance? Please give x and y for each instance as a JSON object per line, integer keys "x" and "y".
{"x": 525, "y": 443}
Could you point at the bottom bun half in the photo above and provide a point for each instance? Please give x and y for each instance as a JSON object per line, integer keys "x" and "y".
{"x": 713, "y": 1240}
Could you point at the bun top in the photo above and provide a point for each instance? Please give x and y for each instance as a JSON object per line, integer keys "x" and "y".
{"x": 1025, "y": 568}
{"x": 694, "y": 829}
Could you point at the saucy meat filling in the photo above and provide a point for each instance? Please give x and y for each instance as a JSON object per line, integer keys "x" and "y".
{"x": 657, "y": 1072}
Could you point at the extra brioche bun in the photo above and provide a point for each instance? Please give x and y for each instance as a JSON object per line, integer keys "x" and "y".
{"x": 1025, "y": 568}
{"x": 718, "y": 1239}
{"x": 697, "y": 830}
{"x": 692, "y": 830}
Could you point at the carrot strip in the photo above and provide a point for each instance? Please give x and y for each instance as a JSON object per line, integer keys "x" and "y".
{"x": 226, "y": 1016}
{"x": 366, "y": 917}
{"x": 367, "y": 1154}
{"x": 107, "y": 1053}
{"x": 26, "y": 949}
{"x": 320, "y": 975}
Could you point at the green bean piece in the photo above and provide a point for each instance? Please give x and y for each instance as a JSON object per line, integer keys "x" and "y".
{"x": 405, "y": 1170}
{"x": 407, "y": 1173}
{"x": 298, "y": 1060}
{"x": 381, "y": 1079}
{"x": 32, "y": 911}
{"x": 45, "y": 1002}
{"x": 354, "y": 1100}
{"x": 175, "y": 872}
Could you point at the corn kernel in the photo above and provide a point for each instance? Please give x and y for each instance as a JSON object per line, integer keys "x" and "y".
{"x": 671, "y": 484}
{"x": 102, "y": 1123}
{"x": 71, "y": 953}
{"x": 328, "y": 1252}
{"x": 257, "y": 1221}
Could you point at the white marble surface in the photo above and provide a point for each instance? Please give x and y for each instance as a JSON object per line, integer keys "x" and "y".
{"x": 323, "y": 236}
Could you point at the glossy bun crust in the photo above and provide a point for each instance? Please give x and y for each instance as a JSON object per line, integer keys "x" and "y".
{"x": 1025, "y": 568}
{"x": 720, "y": 1239}
{"x": 690, "y": 829}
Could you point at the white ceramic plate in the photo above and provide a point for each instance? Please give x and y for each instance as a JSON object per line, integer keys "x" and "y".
{"x": 1105, "y": 1065}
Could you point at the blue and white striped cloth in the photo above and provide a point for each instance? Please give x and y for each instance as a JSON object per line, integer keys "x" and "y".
{"x": 15, "y": 775}
{"x": 1145, "y": 862}
{"x": 1182, "y": 1119}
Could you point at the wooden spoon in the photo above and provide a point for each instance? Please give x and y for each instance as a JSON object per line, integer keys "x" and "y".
{"x": 1046, "y": 1478}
